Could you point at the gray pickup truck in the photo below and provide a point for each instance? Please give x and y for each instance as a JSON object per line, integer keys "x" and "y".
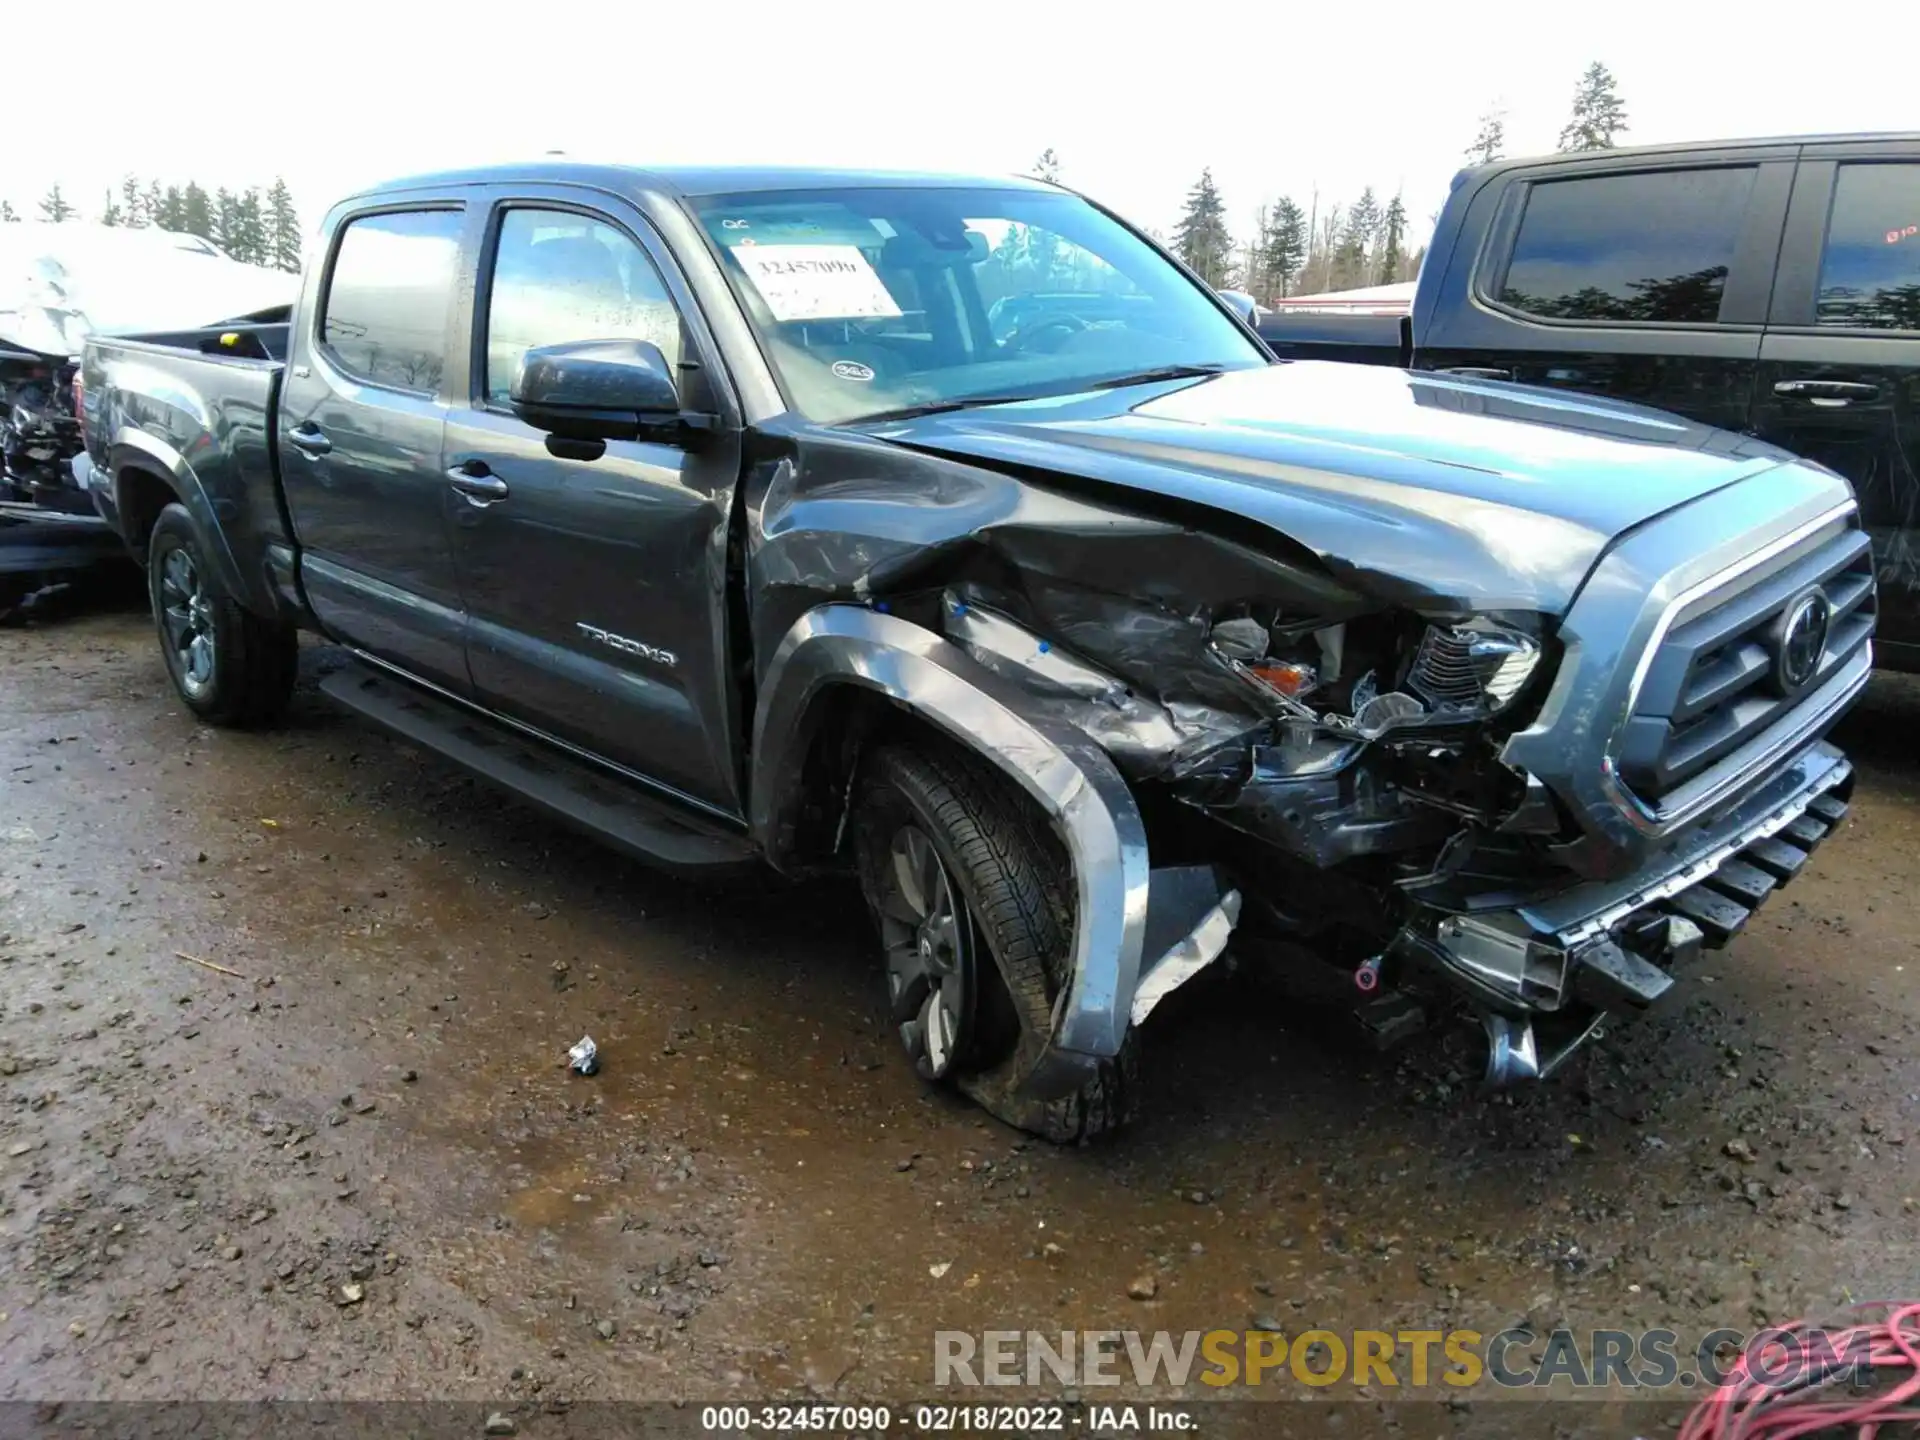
{"x": 744, "y": 516}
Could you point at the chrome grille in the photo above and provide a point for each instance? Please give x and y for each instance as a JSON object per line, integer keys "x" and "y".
{"x": 1717, "y": 682}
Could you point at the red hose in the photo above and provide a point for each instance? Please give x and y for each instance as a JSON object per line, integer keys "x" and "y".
{"x": 1784, "y": 1381}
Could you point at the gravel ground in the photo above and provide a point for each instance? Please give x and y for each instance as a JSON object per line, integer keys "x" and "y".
{"x": 343, "y": 1159}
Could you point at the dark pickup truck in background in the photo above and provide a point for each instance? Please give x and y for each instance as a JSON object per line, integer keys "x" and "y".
{"x": 741, "y": 516}
{"x": 1766, "y": 286}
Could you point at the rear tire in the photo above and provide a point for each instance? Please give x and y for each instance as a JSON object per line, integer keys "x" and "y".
{"x": 1013, "y": 937}
{"x": 231, "y": 666}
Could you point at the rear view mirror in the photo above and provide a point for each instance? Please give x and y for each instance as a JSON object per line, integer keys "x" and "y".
{"x": 596, "y": 390}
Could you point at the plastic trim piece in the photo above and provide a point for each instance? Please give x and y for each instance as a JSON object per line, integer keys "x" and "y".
{"x": 1199, "y": 949}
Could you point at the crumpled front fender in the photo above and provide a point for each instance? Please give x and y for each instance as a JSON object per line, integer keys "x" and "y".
{"x": 1069, "y": 777}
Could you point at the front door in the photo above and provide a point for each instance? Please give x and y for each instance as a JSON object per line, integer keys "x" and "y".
{"x": 1840, "y": 365}
{"x": 361, "y": 421}
{"x": 596, "y": 589}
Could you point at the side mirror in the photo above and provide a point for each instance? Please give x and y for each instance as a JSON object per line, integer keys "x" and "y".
{"x": 597, "y": 390}
{"x": 1242, "y": 304}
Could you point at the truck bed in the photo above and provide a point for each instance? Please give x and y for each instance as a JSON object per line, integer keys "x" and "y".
{"x": 194, "y": 412}
{"x": 1361, "y": 339}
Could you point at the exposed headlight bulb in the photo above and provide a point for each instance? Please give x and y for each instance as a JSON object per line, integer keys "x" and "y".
{"x": 1478, "y": 662}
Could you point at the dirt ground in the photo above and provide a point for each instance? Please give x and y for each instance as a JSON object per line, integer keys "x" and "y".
{"x": 359, "y": 1169}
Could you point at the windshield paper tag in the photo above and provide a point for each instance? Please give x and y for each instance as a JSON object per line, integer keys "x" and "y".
{"x": 815, "y": 282}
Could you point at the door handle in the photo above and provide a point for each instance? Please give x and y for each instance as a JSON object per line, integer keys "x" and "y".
{"x": 1827, "y": 393}
{"x": 1477, "y": 372}
{"x": 479, "y": 484}
{"x": 309, "y": 440}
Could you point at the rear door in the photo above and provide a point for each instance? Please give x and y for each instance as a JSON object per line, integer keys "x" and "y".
{"x": 1840, "y": 365}
{"x": 1645, "y": 279}
{"x": 361, "y": 416}
{"x": 596, "y": 587}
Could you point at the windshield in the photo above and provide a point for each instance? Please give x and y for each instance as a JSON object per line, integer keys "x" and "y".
{"x": 874, "y": 301}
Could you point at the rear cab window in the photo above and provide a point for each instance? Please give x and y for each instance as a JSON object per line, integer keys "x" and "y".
{"x": 389, "y": 293}
{"x": 1653, "y": 247}
{"x": 1870, "y": 267}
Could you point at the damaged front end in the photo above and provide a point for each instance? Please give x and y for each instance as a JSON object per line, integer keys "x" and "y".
{"x": 1350, "y": 773}
{"x": 39, "y": 431}
{"x": 1379, "y": 789}
{"x": 1340, "y": 767}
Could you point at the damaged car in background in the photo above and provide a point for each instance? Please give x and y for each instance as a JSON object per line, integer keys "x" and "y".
{"x": 743, "y": 517}
{"x": 60, "y": 283}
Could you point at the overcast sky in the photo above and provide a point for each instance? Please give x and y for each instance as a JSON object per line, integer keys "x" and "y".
{"x": 1135, "y": 98}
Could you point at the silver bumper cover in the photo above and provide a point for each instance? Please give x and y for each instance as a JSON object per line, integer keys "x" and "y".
{"x": 1546, "y": 975}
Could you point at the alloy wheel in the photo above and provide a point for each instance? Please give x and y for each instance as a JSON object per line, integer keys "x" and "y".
{"x": 929, "y": 943}
{"x": 186, "y": 615}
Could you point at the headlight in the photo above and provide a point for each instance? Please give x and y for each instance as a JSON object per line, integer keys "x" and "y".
{"x": 1476, "y": 664}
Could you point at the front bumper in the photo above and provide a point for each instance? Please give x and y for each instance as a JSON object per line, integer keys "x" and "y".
{"x": 1560, "y": 966}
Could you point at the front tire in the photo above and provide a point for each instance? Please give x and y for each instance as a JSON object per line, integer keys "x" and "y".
{"x": 230, "y": 666}
{"x": 971, "y": 892}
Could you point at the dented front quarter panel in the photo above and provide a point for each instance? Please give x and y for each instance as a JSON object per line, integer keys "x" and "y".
{"x": 1069, "y": 778}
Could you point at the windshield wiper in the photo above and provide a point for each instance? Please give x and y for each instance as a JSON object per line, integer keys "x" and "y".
{"x": 939, "y": 407}
{"x": 1161, "y": 372}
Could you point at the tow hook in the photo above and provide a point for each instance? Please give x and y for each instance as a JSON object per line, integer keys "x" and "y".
{"x": 1366, "y": 977}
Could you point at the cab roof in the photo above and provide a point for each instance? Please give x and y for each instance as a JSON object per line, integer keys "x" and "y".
{"x": 694, "y": 181}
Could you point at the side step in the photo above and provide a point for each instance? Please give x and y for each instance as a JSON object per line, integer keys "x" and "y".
{"x": 622, "y": 816}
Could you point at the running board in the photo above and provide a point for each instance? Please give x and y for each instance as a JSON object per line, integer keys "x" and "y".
{"x": 622, "y": 816}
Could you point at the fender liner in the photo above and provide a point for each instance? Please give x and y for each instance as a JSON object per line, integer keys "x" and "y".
{"x": 1065, "y": 773}
{"x": 135, "y": 449}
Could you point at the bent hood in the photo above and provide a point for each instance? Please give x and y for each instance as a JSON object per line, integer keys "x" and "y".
{"x": 1424, "y": 490}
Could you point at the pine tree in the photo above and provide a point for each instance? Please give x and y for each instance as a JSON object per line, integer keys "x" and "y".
{"x": 1282, "y": 251}
{"x": 156, "y": 206}
{"x": 1201, "y": 238}
{"x": 172, "y": 210}
{"x": 1040, "y": 248}
{"x": 54, "y": 206}
{"x": 111, "y": 214}
{"x": 225, "y": 220}
{"x": 196, "y": 212}
{"x": 283, "y": 229}
{"x": 1491, "y": 143}
{"x": 249, "y": 241}
{"x": 1393, "y": 231}
{"x": 7, "y": 215}
{"x": 132, "y": 203}
{"x": 1599, "y": 114}
{"x": 1358, "y": 238}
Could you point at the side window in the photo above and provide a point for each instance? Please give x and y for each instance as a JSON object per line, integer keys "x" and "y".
{"x": 384, "y": 318}
{"x": 1653, "y": 247}
{"x": 1870, "y": 273}
{"x": 559, "y": 277}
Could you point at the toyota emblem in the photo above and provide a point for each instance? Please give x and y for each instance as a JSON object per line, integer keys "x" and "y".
{"x": 1803, "y": 641}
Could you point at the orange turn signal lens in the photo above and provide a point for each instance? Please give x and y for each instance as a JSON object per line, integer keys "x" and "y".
{"x": 1284, "y": 677}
